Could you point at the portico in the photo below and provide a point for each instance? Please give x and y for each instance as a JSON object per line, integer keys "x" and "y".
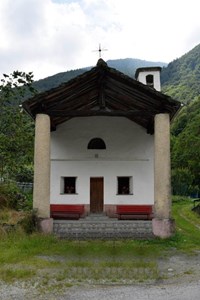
{"x": 134, "y": 122}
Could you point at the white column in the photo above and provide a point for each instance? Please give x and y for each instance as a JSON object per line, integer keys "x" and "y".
{"x": 163, "y": 226}
{"x": 41, "y": 191}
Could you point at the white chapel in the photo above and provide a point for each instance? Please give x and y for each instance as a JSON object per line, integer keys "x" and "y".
{"x": 102, "y": 141}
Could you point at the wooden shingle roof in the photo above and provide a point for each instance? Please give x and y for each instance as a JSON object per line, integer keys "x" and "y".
{"x": 102, "y": 91}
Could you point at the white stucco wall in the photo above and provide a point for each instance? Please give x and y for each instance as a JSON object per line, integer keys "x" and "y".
{"x": 156, "y": 78}
{"x": 129, "y": 152}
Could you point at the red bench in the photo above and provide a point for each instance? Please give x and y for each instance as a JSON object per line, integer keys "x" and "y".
{"x": 65, "y": 211}
{"x": 134, "y": 212}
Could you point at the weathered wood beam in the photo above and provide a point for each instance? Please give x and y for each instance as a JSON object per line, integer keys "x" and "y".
{"x": 101, "y": 89}
{"x": 128, "y": 103}
{"x": 79, "y": 113}
{"x": 147, "y": 97}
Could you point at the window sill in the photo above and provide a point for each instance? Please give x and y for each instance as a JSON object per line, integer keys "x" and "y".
{"x": 69, "y": 194}
{"x": 124, "y": 194}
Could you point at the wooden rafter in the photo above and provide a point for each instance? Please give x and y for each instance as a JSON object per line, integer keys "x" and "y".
{"x": 102, "y": 91}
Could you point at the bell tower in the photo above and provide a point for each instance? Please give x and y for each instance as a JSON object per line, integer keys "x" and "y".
{"x": 149, "y": 76}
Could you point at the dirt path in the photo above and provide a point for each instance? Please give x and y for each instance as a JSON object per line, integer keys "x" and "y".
{"x": 181, "y": 291}
{"x": 143, "y": 292}
{"x": 179, "y": 279}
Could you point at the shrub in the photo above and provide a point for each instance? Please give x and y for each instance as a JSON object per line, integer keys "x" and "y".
{"x": 196, "y": 209}
{"x": 12, "y": 197}
{"x": 180, "y": 198}
{"x": 28, "y": 223}
{"x": 3, "y": 200}
{"x": 24, "y": 174}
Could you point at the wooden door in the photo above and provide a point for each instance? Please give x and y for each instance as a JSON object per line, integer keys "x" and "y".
{"x": 96, "y": 194}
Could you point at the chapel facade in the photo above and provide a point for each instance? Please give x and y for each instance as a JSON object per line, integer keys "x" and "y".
{"x": 102, "y": 140}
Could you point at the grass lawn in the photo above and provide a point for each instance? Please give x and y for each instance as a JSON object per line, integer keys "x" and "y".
{"x": 47, "y": 262}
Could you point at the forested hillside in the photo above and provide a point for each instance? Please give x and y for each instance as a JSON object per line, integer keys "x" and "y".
{"x": 181, "y": 78}
{"x": 185, "y": 137}
{"x": 128, "y": 66}
{"x": 57, "y": 79}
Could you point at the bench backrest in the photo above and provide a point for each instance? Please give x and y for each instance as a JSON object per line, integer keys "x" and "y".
{"x": 67, "y": 208}
{"x": 134, "y": 209}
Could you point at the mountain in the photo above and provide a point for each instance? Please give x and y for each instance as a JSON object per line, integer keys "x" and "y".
{"x": 57, "y": 79}
{"x": 127, "y": 66}
{"x": 181, "y": 78}
{"x": 185, "y": 142}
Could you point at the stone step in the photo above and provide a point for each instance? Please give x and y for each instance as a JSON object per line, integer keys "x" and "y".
{"x": 96, "y": 218}
{"x": 112, "y": 229}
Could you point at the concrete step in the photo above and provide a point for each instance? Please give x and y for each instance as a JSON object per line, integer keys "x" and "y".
{"x": 83, "y": 229}
{"x": 96, "y": 217}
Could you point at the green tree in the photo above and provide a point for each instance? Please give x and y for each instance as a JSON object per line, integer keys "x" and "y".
{"x": 186, "y": 150}
{"x": 16, "y": 128}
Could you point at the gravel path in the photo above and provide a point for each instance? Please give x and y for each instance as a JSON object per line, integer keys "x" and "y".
{"x": 183, "y": 291}
{"x": 180, "y": 280}
{"x": 164, "y": 292}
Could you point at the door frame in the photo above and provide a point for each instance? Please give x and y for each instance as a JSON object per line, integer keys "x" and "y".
{"x": 97, "y": 205}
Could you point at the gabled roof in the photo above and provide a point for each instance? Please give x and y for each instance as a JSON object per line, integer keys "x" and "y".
{"x": 102, "y": 91}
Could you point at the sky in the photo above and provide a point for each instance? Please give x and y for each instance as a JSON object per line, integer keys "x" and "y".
{"x": 52, "y": 36}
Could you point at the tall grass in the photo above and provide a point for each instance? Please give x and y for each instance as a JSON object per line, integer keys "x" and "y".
{"x": 187, "y": 226}
{"x": 97, "y": 261}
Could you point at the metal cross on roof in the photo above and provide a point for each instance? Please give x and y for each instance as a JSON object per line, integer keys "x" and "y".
{"x": 100, "y": 50}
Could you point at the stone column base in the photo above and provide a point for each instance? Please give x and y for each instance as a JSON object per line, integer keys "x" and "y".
{"x": 163, "y": 228}
{"x": 45, "y": 225}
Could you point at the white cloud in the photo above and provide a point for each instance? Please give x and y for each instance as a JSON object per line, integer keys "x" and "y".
{"x": 52, "y": 36}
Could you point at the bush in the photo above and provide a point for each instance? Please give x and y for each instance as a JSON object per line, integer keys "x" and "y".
{"x": 28, "y": 223}
{"x": 12, "y": 197}
{"x": 17, "y": 221}
{"x": 24, "y": 174}
{"x": 180, "y": 198}
{"x": 182, "y": 181}
{"x": 3, "y": 200}
{"x": 196, "y": 209}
